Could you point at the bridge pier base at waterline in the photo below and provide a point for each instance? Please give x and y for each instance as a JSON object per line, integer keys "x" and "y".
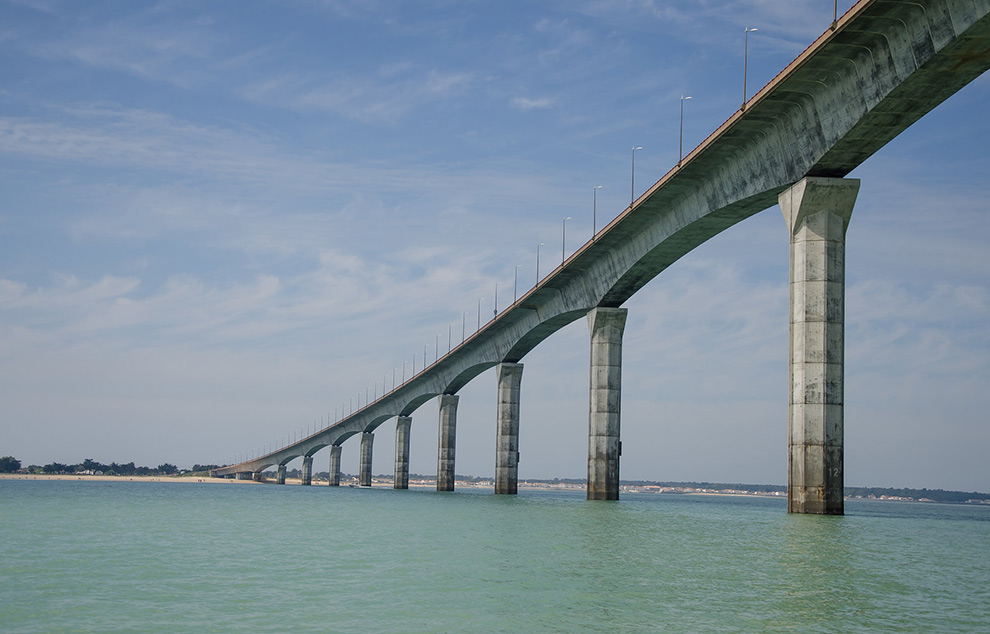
{"x": 509, "y": 377}
{"x": 280, "y": 475}
{"x": 364, "y": 468}
{"x": 817, "y": 213}
{"x": 402, "y": 425}
{"x": 446, "y": 441}
{"x": 606, "y": 326}
{"x": 307, "y": 471}
{"x": 334, "y": 472}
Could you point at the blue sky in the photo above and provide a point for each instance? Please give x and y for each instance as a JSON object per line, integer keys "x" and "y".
{"x": 221, "y": 221}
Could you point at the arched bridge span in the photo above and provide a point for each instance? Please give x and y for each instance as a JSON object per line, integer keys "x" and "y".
{"x": 882, "y": 67}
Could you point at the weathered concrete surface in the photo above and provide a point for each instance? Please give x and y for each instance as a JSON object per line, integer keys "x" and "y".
{"x": 817, "y": 212}
{"x": 509, "y": 377}
{"x": 604, "y": 402}
{"x": 334, "y": 475}
{"x": 307, "y": 471}
{"x": 402, "y": 425}
{"x": 364, "y": 473}
{"x": 280, "y": 476}
{"x": 446, "y": 441}
{"x": 854, "y": 89}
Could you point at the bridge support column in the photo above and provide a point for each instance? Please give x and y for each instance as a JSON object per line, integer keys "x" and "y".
{"x": 447, "y": 439}
{"x": 606, "y": 326}
{"x": 402, "y": 425}
{"x": 507, "y": 432}
{"x": 334, "y": 465}
{"x": 307, "y": 471}
{"x": 280, "y": 475}
{"x": 247, "y": 475}
{"x": 364, "y": 475}
{"x": 817, "y": 212}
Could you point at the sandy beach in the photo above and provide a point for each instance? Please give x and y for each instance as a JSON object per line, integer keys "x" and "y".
{"x": 105, "y": 478}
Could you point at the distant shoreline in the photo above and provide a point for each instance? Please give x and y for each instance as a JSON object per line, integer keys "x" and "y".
{"x": 463, "y": 484}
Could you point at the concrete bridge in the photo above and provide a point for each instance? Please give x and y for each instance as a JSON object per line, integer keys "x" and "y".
{"x": 872, "y": 74}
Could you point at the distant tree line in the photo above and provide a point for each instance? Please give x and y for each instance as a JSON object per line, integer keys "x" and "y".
{"x": 9, "y": 464}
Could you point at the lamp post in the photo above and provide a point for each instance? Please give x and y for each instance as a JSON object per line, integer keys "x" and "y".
{"x": 632, "y": 189}
{"x": 594, "y": 212}
{"x": 515, "y": 283}
{"x": 495, "y": 309}
{"x": 745, "y": 56}
{"x": 680, "y": 139}
{"x": 463, "y": 326}
{"x": 538, "y": 262}
{"x": 563, "y": 240}
{"x": 835, "y": 14}
{"x": 479, "y": 312}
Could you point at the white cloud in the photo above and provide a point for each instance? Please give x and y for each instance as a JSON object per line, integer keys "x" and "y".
{"x": 526, "y": 103}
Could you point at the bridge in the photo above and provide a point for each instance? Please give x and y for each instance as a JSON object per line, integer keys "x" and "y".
{"x": 871, "y": 75}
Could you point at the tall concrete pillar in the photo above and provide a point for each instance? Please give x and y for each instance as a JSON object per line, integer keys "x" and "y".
{"x": 817, "y": 212}
{"x": 334, "y": 465}
{"x": 246, "y": 475}
{"x": 280, "y": 477}
{"x": 364, "y": 475}
{"x": 447, "y": 439}
{"x": 509, "y": 377}
{"x": 606, "y": 326}
{"x": 307, "y": 471}
{"x": 402, "y": 425}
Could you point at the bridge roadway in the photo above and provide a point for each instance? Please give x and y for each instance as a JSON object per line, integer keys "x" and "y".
{"x": 883, "y": 65}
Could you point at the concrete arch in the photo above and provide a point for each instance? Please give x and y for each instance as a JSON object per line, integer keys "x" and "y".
{"x": 415, "y": 403}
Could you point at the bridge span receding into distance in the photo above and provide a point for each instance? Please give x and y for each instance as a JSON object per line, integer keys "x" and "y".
{"x": 871, "y": 75}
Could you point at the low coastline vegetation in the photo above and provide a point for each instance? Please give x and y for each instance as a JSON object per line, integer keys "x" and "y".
{"x": 9, "y": 464}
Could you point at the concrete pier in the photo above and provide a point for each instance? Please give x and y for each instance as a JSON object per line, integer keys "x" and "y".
{"x": 334, "y": 475}
{"x": 509, "y": 377}
{"x": 307, "y": 471}
{"x": 364, "y": 475}
{"x": 606, "y": 326}
{"x": 245, "y": 475}
{"x": 447, "y": 433}
{"x": 280, "y": 476}
{"x": 402, "y": 425}
{"x": 817, "y": 212}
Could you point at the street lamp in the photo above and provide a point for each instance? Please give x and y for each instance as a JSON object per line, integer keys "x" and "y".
{"x": 680, "y": 142}
{"x": 563, "y": 240}
{"x": 463, "y": 326}
{"x": 479, "y": 312}
{"x": 745, "y": 55}
{"x": 495, "y": 310}
{"x": 835, "y": 14}
{"x": 515, "y": 282}
{"x": 594, "y": 212}
{"x": 632, "y": 192}
{"x": 538, "y": 262}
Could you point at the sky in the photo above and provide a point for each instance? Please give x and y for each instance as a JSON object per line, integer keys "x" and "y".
{"x": 221, "y": 221}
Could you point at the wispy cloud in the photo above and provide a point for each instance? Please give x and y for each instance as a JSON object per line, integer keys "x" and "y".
{"x": 526, "y": 103}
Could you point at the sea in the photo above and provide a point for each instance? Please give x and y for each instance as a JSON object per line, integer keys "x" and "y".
{"x": 145, "y": 557}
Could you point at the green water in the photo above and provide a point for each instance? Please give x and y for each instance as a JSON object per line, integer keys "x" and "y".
{"x": 148, "y": 557}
